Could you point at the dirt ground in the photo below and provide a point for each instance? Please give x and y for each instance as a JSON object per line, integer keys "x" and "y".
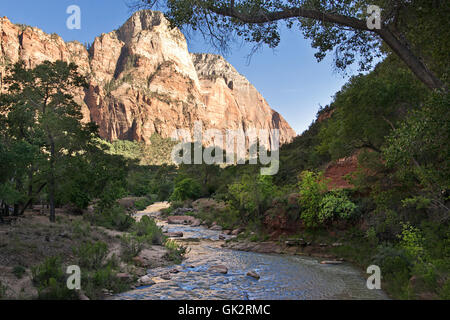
{"x": 27, "y": 241}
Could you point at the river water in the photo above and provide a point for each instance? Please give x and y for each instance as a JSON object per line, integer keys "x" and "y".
{"x": 283, "y": 277}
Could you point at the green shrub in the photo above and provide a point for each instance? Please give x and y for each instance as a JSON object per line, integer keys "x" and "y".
{"x": 176, "y": 251}
{"x": 396, "y": 268}
{"x": 252, "y": 195}
{"x": 228, "y": 217}
{"x": 148, "y": 229}
{"x": 444, "y": 291}
{"x": 19, "y": 271}
{"x": 81, "y": 228}
{"x": 186, "y": 188}
{"x": 312, "y": 188}
{"x": 93, "y": 283}
{"x": 3, "y": 289}
{"x": 114, "y": 218}
{"x": 131, "y": 247}
{"x": 335, "y": 205}
{"x": 50, "y": 280}
{"x": 143, "y": 203}
{"x": 411, "y": 240}
{"x": 392, "y": 259}
{"x": 91, "y": 256}
{"x": 371, "y": 236}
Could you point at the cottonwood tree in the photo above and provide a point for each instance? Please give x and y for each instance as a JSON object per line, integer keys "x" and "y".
{"x": 368, "y": 107}
{"x": 415, "y": 30}
{"x": 39, "y": 110}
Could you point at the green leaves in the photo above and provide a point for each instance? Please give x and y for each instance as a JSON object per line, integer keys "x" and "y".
{"x": 336, "y": 205}
{"x": 312, "y": 188}
{"x": 252, "y": 194}
{"x": 320, "y": 207}
{"x": 186, "y": 188}
{"x": 419, "y": 149}
{"x": 368, "y": 107}
{"x": 42, "y": 138}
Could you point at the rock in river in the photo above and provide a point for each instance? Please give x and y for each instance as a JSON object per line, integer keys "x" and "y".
{"x": 180, "y": 220}
{"x": 146, "y": 281}
{"x": 218, "y": 269}
{"x": 253, "y": 274}
{"x": 331, "y": 262}
{"x": 174, "y": 234}
{"x": 165, "y": 276}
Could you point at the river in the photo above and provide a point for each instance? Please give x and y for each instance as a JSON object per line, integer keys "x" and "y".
{"x": 282, "y": 277}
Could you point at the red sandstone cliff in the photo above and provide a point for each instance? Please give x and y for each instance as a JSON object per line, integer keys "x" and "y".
{"x": 143, "y": 80}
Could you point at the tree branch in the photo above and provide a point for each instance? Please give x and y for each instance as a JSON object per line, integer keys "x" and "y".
{"x": 387, "y": 33}
{"x": 288, "y": 14}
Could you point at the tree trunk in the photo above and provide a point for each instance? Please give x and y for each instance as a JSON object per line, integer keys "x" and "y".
{"x": 51, "y": 197}
{"x": 416, "y": 65}
{"x": 51, "y": 182}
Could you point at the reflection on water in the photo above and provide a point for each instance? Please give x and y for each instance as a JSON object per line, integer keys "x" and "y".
{"x": 283, "y": 277}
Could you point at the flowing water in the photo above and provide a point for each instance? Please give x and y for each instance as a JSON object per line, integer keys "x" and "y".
{"x": 283, "y": 277}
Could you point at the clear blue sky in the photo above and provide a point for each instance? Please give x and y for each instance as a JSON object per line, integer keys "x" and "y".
{"x": 289, "y": 78}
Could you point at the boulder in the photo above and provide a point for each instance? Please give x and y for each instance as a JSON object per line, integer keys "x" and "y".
{"x": 181, "y": 211}
{"x": 146, "y": 281}
{"x": 180, "y": 220}
{"x": 253, "y": 274}
{"x": 216, "y": 228}
{"x": 267, "y": 247}
{"x": 165, "y": 276}
{"x": 236, "y": 232}
{"x": 218, "y": 269}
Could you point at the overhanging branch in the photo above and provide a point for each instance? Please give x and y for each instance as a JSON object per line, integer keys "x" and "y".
{"x": 266, "y": 17}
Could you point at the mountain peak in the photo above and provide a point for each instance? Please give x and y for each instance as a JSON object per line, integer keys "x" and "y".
{"x": 143, "y": 80}
{"x": 140, "y": 21}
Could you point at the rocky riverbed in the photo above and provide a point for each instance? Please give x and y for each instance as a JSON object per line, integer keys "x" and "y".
{"x": 216, "y": 270}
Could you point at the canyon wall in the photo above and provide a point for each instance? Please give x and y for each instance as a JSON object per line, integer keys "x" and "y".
{"x": 143, "y": 80}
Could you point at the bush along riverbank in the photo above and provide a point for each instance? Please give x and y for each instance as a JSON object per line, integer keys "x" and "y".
{"x": 112, "y": 250}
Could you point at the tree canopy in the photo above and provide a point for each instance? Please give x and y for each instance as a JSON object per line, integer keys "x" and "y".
{"x": 339, "y": 26}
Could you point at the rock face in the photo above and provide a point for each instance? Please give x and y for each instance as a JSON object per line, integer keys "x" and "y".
{"x": 143, "y": 80}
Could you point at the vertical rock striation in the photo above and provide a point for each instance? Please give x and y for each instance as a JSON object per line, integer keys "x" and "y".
{"x": 143, "y": 80}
